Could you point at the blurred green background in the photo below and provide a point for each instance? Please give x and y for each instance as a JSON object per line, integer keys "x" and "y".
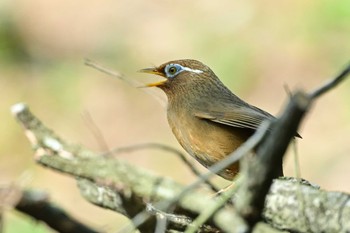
{"x": 255, "y": 47}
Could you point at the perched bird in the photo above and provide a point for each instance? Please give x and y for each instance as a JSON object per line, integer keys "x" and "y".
{"x": 208, "y": 120}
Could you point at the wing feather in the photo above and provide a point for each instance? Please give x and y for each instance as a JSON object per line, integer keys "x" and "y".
{"x": 240, "y": 117}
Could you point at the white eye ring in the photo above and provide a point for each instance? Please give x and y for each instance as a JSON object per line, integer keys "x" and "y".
{"x": 171, "y": 70}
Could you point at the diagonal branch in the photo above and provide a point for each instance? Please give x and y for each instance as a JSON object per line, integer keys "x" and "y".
{"x": 37, "y": 205}
{"x": 330, "y": 84}
{"x": 163, "y": 147}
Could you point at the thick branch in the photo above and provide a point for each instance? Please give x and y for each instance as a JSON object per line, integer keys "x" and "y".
{"x": 36, "y": 205}
{"x": 303, "y": 207}
{"x": 260, "y": 170}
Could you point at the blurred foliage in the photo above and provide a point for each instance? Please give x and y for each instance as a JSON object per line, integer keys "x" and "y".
{"x": 20, "y": 223}
{"x": 254, "y": 47}
{"x": 13, "y": 51}
{"x": 332, "y": 15}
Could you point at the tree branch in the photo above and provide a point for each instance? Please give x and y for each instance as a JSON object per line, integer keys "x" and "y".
{"x": 330, "y": 84}
{"x": 122, "y": 187}
{"x": 259, "y": 171}
{"x": 36, "y": 205}
{"x": 163, "y": 147}
{"x": 117, "y": 185}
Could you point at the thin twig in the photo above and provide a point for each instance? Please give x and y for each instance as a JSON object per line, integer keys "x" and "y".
{"x": 161, "y": 223}
{"x": 179, "y": 222}
{"x": 96, "y": 132}
{"x": 287, "y": 89}
{"x": 297, "y": 171}
{"x": 130, "y": 82}
{"x": 105, "y": 70}
{"x": 211, "y": 210}
{"x": 163, "y": 147}
{"x": 330, "y": 84}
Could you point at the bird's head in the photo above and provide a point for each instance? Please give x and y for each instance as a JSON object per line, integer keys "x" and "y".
{"x": 181, "y": 74}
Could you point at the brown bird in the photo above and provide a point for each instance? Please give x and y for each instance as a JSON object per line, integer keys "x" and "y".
{"x": 208, "y": 120}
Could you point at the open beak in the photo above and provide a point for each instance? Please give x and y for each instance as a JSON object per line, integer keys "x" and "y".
{"x": 153, "y": 71}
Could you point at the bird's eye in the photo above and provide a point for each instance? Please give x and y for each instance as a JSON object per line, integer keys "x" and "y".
{"x": 172, "y": 70}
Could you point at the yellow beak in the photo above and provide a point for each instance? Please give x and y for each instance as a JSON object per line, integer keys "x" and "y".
{"x": 153, "y": 71}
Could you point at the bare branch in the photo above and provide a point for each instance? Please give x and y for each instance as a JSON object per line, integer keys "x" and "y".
{"x": 211, "y": 210}
{"x": 170, "y": 149}
{"x": 330, "y": 84}
{"x": 260, "y": 170}
{"x": 36, "y": 205}
{"x": 130, "y": 82}
{"x": 96, "y": 132}
{"x": 105, "y": 70}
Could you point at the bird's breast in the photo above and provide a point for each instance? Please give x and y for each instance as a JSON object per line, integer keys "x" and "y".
{"x": 207, "y": 141}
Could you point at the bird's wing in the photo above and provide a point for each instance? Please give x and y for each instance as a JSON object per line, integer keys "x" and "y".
{"x": 236, "y": 116}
